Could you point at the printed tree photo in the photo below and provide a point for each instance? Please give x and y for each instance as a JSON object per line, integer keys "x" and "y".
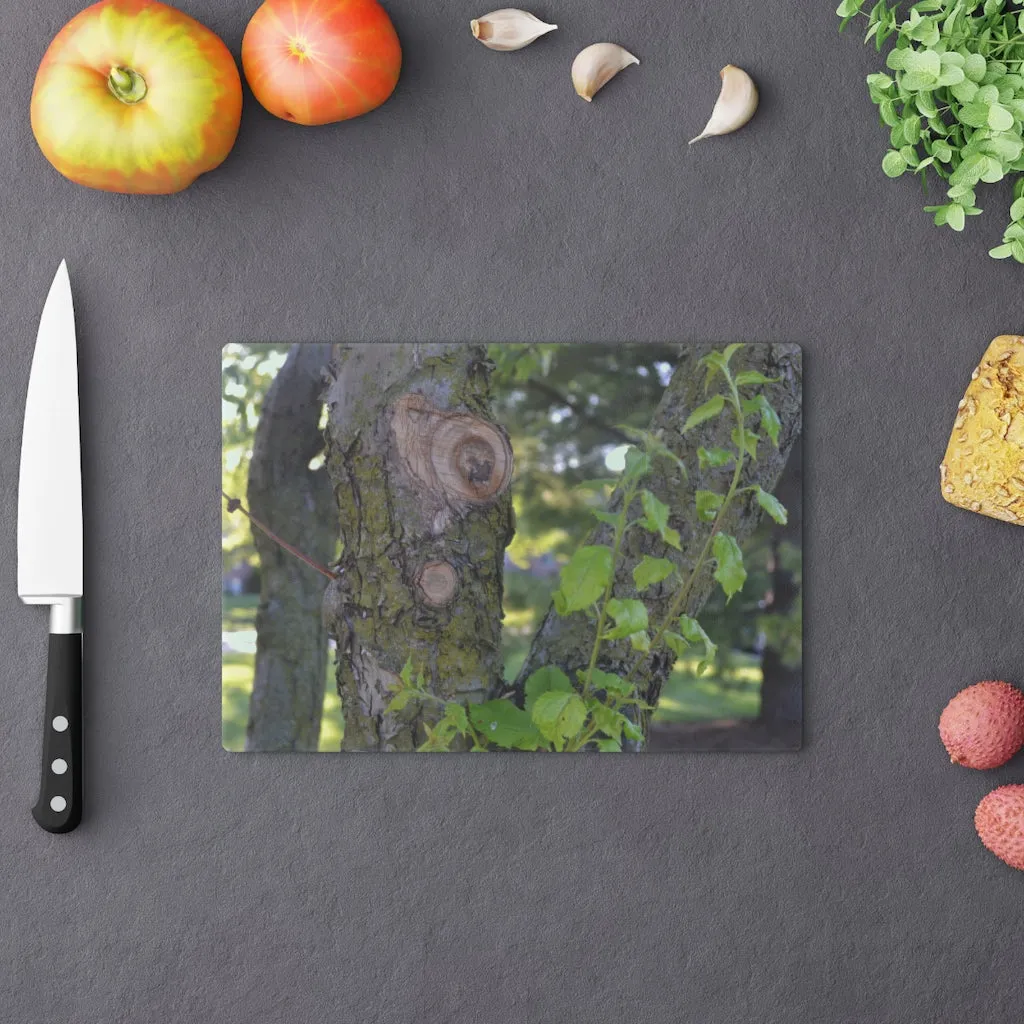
{"x": 562, "y": 548}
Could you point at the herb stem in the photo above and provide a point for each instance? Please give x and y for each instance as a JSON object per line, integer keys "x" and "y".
{"x": 621, "y": 527}
{"x": 678, "y": 604}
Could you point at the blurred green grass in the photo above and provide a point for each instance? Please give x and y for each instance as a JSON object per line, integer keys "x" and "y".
{"x": 239, "y": 616}
{"x": 735, "y": 694}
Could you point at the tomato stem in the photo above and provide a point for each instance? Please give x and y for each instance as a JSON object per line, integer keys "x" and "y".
{"x": 126, "y": 84}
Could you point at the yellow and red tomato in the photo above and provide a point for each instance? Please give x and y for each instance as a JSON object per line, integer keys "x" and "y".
{"x": 135, "y": 96}
{"x": 320, "y": 61}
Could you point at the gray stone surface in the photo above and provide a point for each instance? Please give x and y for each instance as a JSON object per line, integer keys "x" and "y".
{"x": 485, "y": 201}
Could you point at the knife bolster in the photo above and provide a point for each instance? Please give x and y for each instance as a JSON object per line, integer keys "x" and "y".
{"x": 66, "y": 615}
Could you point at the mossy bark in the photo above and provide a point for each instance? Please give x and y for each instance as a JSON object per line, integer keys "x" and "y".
{"x": 567, "y": 642}
{"x": 296, "y": 503}
{"x": 414, "y": 458}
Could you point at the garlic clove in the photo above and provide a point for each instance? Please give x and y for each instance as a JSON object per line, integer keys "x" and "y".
{"x": 735, "y": 105}
{"x": 508, "y": 29}
{"x": 596, "y": 65}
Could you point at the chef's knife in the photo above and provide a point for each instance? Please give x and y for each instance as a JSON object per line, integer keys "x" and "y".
{"x": 50, "y": 548}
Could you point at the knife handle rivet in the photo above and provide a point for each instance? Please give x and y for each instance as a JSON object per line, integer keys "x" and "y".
{"x": 60, "y": 724}
{"x": 58, "y": 804}
{"x": 59, "y": 766}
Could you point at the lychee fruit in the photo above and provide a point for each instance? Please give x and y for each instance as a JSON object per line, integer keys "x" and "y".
{"x": 983, "y": 725}
{"x": 999, "y": 820}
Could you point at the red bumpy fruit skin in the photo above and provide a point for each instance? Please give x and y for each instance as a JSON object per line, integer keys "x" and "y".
{"x": 999, "y": 821}
{"x": 983, "y": 725}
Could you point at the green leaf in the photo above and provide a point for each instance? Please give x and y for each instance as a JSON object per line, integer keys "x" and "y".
{"x": 964, "y": 92}
{"x": 748, "y": 442}
{"x": 399, "y": 701}
{"x": 925, "y": 103}
{"x": 748, "y": 377}
{"x": 558, "y": 716}
{"x": 651, "y": 570}
{"x": 637, "y": 464}
{"x": 605, "y": 517}
{"x": 999, "y": 118}
{"x": 693, "y": 634}
{"x": 676, "y": 643}
{"x": 1003, "y": 147}
{"x": 717, "y": 362}
{"x": 925, "y": 62}
{"x": 406, "y": 674}
{"x": 640, "y": 641}
{"x": 610, "y": 682}
{"x": 630, "y": 617}
{"x": 992, "y": 170}
{"x": 896, "y": 59}
{"x": 598, "y": 484}
{"x": 583, "y": 579}
{"x": 708, "y": 504}
{"x": 888, "y": 113}
{"x": 911, "y": 129}
{"x": 656, "y": 515}
{"x": 455, "y": 714}
{"x": 770, "y": 422}
{"x": 693, "y": 631}
{"x": 893, "y": 164}
{"x": 918, "y": 81}
{"x": 1000, "y": 252}
{"x": 848, "y": 8}
{"x": 631, "y": 730}
{"x": 500, "y": 722}
{"x": 955, "y": 216}
{"x": 709, "y": 410}
{"x": 974, "y": 67}
{"x": 730, "y": 572}
{"x": 545, "y": 680}
{"x": 1017, "y": 210}
{"x": 714, "y": 457}
{"x": 772, "y": 506}
{"x": 609, "y": 746}
{"x": 974, "y": 114}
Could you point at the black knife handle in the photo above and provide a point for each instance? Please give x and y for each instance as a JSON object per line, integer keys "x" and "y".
{"x": 59, "y": 808}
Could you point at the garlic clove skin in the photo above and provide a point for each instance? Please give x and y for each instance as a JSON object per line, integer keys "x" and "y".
{"x": 508, "y": 29}
{"x": 735, "y": 105}
{"x": 596, "y": 65}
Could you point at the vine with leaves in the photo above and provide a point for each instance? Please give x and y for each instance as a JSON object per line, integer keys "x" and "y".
{"x": 954, "y": 101}
{"x": 600, "y": 709}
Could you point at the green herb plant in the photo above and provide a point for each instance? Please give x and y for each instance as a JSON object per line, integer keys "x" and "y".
{"x": 600, "y": 709}
{"x": 954, "y": 102}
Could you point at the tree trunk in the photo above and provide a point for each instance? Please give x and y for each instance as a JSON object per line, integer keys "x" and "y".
{"x": 567, "y": 642}
{"x": 421, "y": 478}
{"x": 295, "y": 502}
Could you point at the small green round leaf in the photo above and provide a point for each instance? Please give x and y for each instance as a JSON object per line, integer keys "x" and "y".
{"x": 893, "y": 164}
{"x": 999, "y": 118}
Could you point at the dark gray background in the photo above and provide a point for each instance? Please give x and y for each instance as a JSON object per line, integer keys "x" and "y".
{"x": 484, "y": 202}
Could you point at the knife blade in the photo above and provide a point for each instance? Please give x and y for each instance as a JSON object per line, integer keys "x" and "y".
{"x": 50, "y": 547}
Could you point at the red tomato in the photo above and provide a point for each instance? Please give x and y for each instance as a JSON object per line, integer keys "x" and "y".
{"x": 319, "y": 61}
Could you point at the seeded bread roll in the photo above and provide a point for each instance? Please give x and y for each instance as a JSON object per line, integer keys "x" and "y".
{"x": 984, "y": 465}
